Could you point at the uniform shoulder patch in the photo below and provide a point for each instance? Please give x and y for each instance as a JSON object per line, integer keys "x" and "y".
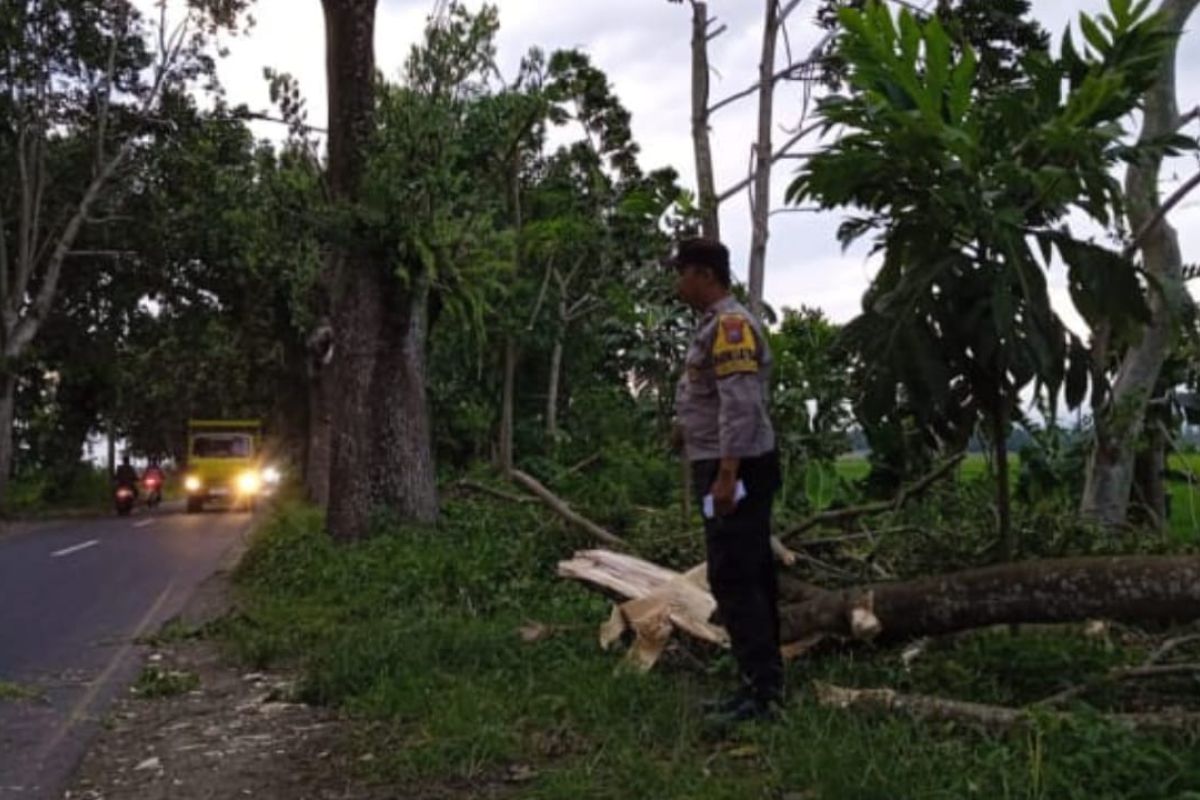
{"x": 735, "y": 348}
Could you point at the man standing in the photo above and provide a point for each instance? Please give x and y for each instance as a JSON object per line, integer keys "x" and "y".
{"x": 721, "y": 403}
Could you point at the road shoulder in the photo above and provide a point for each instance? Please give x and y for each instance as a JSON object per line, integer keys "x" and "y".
{"x": 212, "y": 729}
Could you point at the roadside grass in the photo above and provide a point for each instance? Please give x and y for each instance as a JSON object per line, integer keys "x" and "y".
{"x": 414, "y": 633}
{"x": 15, "y": 692}
{"x": 156, "y": 681}
{"x": 41, "y": 494}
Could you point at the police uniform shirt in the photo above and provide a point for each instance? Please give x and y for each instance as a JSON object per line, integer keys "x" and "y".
{"x": 721, "y": 399}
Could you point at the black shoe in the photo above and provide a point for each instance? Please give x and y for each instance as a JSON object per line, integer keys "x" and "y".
{"x": 750, "y": 709}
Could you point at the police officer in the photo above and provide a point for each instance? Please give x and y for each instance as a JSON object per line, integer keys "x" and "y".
{"x": 721, "y": 403}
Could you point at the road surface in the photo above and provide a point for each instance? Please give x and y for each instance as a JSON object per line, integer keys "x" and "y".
{"x": 75, "y": 596}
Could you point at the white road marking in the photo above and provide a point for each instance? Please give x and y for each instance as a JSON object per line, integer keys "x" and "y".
{"x": 66, "y": 551}
{"x": 144, "y": 523}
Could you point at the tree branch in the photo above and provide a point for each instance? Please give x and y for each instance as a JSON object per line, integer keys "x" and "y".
{"x": 924, "y": 707}
{"x": 780, "y": 153}
{"x": 1160, "y": 214}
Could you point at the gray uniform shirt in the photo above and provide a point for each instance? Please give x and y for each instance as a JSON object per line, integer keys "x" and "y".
{"x": 721, "y": 400}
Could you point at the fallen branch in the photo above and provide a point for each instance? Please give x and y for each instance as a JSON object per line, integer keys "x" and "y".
{"x": 1170, "y": 645}
{"x": 498, "y": 493}
{"x": 924, "y": 707}
{"x": 560, "y": 507}
{"x": 1116, "y": 676}
{"x": 907, "y": 493}
{"x": 584, "y": 464}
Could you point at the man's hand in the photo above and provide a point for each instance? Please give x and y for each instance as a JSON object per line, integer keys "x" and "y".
{"x": 724, "y": 487}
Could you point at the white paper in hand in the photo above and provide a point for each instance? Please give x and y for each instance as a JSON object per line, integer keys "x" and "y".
{"x": 739, "y": 494}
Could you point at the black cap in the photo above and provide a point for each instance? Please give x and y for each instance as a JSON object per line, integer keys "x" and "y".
{"x": 700, "y": 252}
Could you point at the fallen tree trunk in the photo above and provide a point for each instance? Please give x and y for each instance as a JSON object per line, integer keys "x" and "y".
{"x": 924, "y": 707}
{"x": 1139, "y": 589}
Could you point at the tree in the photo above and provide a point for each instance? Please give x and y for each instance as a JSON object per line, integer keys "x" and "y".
{"x": 1120, "y": 414}
{"x": 966, "y": 184}
{"x": 77, "y": 80}
{"x": 380, "y": 454}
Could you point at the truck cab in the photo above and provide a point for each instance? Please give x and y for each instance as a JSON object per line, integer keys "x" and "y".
{"x": 223, "y": 463}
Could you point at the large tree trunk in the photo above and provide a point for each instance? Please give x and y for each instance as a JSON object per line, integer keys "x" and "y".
{"x": 381, "y": 455}
{"x": 1143, "y": 589}
{"x": 8, "y": 398}
{"x": 1111, "y": 467}
{"x": 317, "y": 455}
{"x": 760, "y": 210}
{"x": 706, "y": 188}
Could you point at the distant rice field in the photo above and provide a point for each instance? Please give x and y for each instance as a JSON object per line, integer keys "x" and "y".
{"x": 1185, "y": 498}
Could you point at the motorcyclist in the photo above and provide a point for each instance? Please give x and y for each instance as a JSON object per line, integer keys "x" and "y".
{"x": 126, "y": 476}
{"x": 153, "y": 477}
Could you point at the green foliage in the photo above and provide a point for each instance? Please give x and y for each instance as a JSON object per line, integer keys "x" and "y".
{"x": 958, "y": 178}
{"x": 13, "y": 692}
{"x": 157, "y": 682}
{"x": 73, "y": 487}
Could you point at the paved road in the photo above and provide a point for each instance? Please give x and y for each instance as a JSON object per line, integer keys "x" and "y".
{"x": 74, "y": 597}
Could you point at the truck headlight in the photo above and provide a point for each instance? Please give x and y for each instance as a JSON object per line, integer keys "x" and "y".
{"x": 192, "y": 483}
{"x": 249, "y": 483}
{"x": 271, "y": 476}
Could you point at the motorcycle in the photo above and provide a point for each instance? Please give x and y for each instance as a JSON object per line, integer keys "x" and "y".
{"x": 153, "y": 486}
{"x": 123, "y": 499}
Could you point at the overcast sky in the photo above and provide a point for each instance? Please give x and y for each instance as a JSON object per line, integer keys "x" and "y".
{"x": 643, "y": 46}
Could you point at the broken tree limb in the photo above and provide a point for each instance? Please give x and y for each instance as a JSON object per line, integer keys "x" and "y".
{"x": 483, "y": 488}
{"x": 924, "y": 707}
{"x": 1140, "y": 589}
{"x": 1116, "y": 676}
{"x": 906, "y": 494}
{"x": 658, "y": 600}
{"x": 559, "y": 506}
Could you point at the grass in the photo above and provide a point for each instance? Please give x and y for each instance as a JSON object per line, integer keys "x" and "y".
{"x": 1185, "y": 499}
{"x": 10, "y": 691}
{"x": 414, "y": 632}
{"x": 157, "y": 682}
{"x": 39, "y": 494}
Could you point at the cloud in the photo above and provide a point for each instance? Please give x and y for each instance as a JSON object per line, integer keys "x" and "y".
{"x": 644, "y": 47}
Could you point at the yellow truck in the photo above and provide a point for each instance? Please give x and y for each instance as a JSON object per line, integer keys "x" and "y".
{"x": 224, "y": 463}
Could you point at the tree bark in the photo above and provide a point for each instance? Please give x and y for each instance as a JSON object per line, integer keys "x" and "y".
{"x": 1150, "y": 487}
{"x": 8, "y": 397}
{"x": 506, "y": 405}
{"x": 556, "y": 357}
{"x": 381, "y": 454}
{"x": 1111, "y": 466}
{"x": 1008, "y": 544}
{"x": 710, "y": 225}
{"x": 1141, "y": 589}
{"x": 760, "y": 209}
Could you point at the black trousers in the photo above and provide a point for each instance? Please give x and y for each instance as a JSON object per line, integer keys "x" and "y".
{"x": 741, "y": 571}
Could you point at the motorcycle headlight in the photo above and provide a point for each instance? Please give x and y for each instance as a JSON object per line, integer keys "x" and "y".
{"x": 192, "y": 483}
{"x": 249, "y": 483}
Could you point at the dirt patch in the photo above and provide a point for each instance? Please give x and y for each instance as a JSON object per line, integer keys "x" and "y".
{"x": 222, "y": 733}
{"x": 236, "y": 735}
